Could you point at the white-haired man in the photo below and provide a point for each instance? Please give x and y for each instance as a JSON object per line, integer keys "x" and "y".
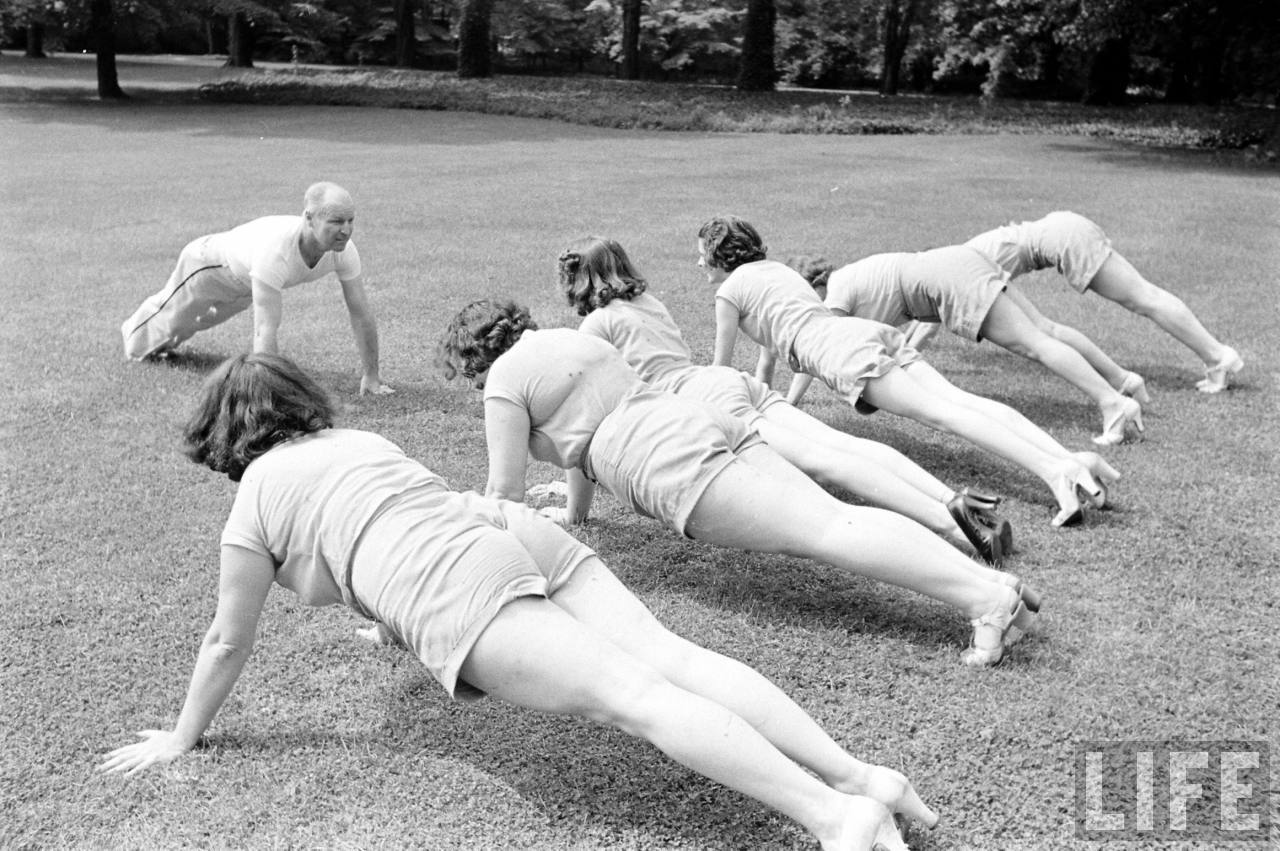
{"x": 222, "y": 274}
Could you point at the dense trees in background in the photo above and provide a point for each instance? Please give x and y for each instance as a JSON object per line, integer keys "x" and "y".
{"x": 1101, "y": 51}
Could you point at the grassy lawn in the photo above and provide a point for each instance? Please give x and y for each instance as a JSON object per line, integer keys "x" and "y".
{"x": 1160, "y": 615}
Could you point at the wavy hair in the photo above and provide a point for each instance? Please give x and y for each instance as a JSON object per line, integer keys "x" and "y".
{"x": 594, "y": 271}
{"x": 813, "y": 268}
{"x": 480, "y": 333}
{"x": 249, "y": 405}
{"x": 730, "y": 242}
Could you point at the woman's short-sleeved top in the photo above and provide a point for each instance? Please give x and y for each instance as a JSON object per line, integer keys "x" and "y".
{"x": 306, "y": 502}
{"x": 644, "y": 332}
{"x": 568, "y": 382}
{"x": 872, "y": 288}
{"x": 773, "y": 302}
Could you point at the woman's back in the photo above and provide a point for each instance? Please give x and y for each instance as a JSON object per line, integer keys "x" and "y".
{"x": 568, "y": 382}
{"x": 644, "y": 332}
{"x": 773, "y": 302}
{"x": 306, "y": 502}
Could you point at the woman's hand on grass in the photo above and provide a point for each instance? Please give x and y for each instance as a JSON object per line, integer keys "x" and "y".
{"x": 556, "y": 513}
{"x": 156, "y": 748}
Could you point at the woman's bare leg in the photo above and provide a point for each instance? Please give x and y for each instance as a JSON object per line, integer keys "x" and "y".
{"x": 1007, "y": 326}
{"x": 763, "y": 504}
{"x": 536, "y": 655}
{"x": 920, "y": 393}
{"x": 596, "y": 598}
{"x": 859, "y": 475}
{"x": 818, "y": 432}
{"x": 1120, "y": 282}
{"x": 1089, "y": 350}
{"x": 932, "y": 382}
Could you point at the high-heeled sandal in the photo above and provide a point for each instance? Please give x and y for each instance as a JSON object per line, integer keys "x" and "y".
{"x": 1071, "y": 488}
{"x": 990, "y": 534}
{"x": 1217, "y": 377}
{"x": 894, "y": 790}
{"x": 1134, "y": 386}
{"x": 1116, "y": 430}
{"x": 996, "y": 630}
{"x": 1103, "y": 473}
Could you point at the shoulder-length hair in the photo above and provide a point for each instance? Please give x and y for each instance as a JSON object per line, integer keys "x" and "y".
{"x": 729, "y": 242}
{"x": 250, "y": 404}
{"x": 594, "y": 271}
{"x": 480, "y": 333}
{"x": 813, "y": 268}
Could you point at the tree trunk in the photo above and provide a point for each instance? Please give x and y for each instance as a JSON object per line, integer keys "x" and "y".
{"x": 1108, "y": 73}
{"x": 35, "y": 40}
{"x": 474, "y": 37}
{"x": 898, "y": 17}
{"x": 239, "y": 41}
{"x": 631, "y": 39}
{"x": 102, "y": 23}
{"x": 756, "y": 71}
{"x": 405, "y": 41}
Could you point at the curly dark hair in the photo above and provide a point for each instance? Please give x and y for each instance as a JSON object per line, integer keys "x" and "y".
{"x": 250, "y": 404}
{"x": 730, "y": 242}
{"x": 594, "y": 271}
{"x": 479, "y": 334}
{"x": 814, "y": 268}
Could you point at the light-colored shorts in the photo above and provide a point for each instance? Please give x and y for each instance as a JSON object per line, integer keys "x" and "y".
{"x": 199, "y": 294}
{"x": 957, "y": 282}
{"x": 437, "y": 568}
{"x": 1075, "y": 245}
{"x": 845, "y": 352}
{"x": 729, "y": 390}
{"x": 658, "y": 453}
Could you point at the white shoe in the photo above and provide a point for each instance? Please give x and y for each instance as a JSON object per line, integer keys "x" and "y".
{"x": 1134, "y": 386}
{"x": 1218, "y": 376}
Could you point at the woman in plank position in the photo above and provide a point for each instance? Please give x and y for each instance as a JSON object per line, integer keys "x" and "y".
{"x": 965, "y": 292}
{"x": 1082, "y": 253}
{"x": 870, "y": 366}
{"x": 571, "y": 400}
{"x": 492, "y": 598}
{"x": 602, "y": 284}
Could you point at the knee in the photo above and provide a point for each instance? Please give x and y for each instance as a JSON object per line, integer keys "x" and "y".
{"x": 811, "y": 462}
{"x": 1026, "y": 349}
{"x": 1049, "y": 328}
{"x": 629, "y": 700}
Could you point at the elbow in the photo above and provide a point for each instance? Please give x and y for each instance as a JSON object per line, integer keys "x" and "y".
{"x": 222, "y": 648}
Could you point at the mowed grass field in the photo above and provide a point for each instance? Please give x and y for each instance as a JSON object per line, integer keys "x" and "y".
{"x": 1160, "y": 615}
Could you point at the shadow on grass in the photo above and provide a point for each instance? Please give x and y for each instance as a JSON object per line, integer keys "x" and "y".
{"x": 580, "y": 773}
{"x": 190, "y": 360}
